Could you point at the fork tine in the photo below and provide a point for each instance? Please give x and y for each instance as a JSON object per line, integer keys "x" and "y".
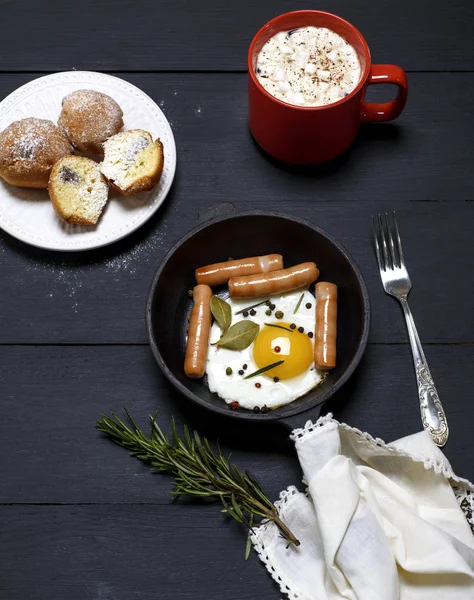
{"x": 398, "y": 240}
{"x": 377, "y": 245}
{"x": 393, "y": 253}
{"x": 384, "y": 243}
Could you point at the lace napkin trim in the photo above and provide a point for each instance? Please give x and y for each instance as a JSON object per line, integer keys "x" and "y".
{"x": 438, "y": 467}
{"x": 286, "y": 497}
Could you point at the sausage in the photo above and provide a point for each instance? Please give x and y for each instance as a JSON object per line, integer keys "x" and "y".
{"x": 275, "y": 282}
{"x": 222, "y": 272}
{"x": 326, "y": 326}
{"x": 198, "y": 333}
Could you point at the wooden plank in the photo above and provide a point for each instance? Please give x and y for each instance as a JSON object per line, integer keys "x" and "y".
{"x": 115, "y": 552}
{"x": 69, "y": 298}
{"x": 178, "y": 35}
{"x": 51, "y": 397}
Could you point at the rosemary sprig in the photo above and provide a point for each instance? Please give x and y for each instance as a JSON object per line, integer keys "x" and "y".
{"x": 198, "y": 470}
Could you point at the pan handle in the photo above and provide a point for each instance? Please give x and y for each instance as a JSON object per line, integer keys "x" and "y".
{"x": 299, "y": 420}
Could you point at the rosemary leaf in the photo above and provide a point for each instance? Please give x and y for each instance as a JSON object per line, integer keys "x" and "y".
{"x": 298, "y": 304}
{"x": 247, "y": 308}
{"x": 248, "y": 545}
{"x": 265, "y": 369}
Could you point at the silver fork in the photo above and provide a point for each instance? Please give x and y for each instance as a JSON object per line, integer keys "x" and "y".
{"x": 396, "y": 282}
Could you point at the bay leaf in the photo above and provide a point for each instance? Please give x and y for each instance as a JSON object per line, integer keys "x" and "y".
{"x": 239, "y": 336}
{"x": 222, "y": 312}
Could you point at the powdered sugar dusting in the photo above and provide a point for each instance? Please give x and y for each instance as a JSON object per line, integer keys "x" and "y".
{"x": 143, "y": 253}
{"x": 75, "y": 282}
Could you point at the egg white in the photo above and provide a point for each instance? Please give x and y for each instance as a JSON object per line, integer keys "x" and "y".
{"x": 234, "y": 387}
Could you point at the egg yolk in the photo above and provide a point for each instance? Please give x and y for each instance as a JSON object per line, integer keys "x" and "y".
{"x": 274, "y": 343}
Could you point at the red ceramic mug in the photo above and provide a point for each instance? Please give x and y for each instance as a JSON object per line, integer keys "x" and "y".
{"x": 308, "y": 135}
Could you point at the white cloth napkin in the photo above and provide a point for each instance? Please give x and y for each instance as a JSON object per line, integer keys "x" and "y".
{"x": 379, "y": 521}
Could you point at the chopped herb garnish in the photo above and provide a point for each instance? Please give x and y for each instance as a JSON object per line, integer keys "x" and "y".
{"x": 298, "y": 304}
{"x": 279, "y": 326}
{"x": 250, "y": 307}
{"x": 265, "y": 369}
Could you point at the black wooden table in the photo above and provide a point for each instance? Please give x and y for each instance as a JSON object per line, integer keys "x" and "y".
{"x": 81, "y": 520}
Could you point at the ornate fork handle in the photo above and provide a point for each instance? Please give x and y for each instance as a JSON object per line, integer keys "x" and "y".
{"x": 432, "y": 413}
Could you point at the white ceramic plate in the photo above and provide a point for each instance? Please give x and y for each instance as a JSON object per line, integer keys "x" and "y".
{"x": 28, "y": 215}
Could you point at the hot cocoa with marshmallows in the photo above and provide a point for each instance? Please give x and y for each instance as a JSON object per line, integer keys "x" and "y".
{"x": 308, "y": 66}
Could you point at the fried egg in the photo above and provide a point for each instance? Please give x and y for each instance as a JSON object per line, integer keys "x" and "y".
{"x": 276, "y": 341}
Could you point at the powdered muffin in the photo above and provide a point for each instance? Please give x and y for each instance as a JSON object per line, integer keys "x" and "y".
{"x": 28, "y": 151}
{"x": 88, "y": 118}
{"x": 133, "y": 162}
{"x": 78, "y": 190}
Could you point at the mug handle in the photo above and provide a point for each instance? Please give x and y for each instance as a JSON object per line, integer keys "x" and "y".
{"x": 371, "y": 111}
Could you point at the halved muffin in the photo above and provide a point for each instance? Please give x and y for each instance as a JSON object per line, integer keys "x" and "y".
{"x": 78, "y": 190}
{"x": 133, "y": 162}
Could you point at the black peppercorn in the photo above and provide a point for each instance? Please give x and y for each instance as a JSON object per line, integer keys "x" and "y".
{"x": 228, "y": 371}
{"x": 264, "y": 409}
{"x": 244, "y": 367}
{"x": 246, "y": 313}
{"x": 309, "y": 305}
{"x": 253, "y": 312}
{"x": 272, "y": 306}
{"x": 268, "y": 303}
{"x": 256, "y": 409}
{"x": 310, "y": 334}
{"x": 268, "y": 312}
{"x": 279, "y": 314}
{"x": 233, "y": 405}
{"x": 301, "y": 329}
{"x": 276, "y": 379}
{"x": 292, "y": 326}
{"x": 241, "y": 372}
